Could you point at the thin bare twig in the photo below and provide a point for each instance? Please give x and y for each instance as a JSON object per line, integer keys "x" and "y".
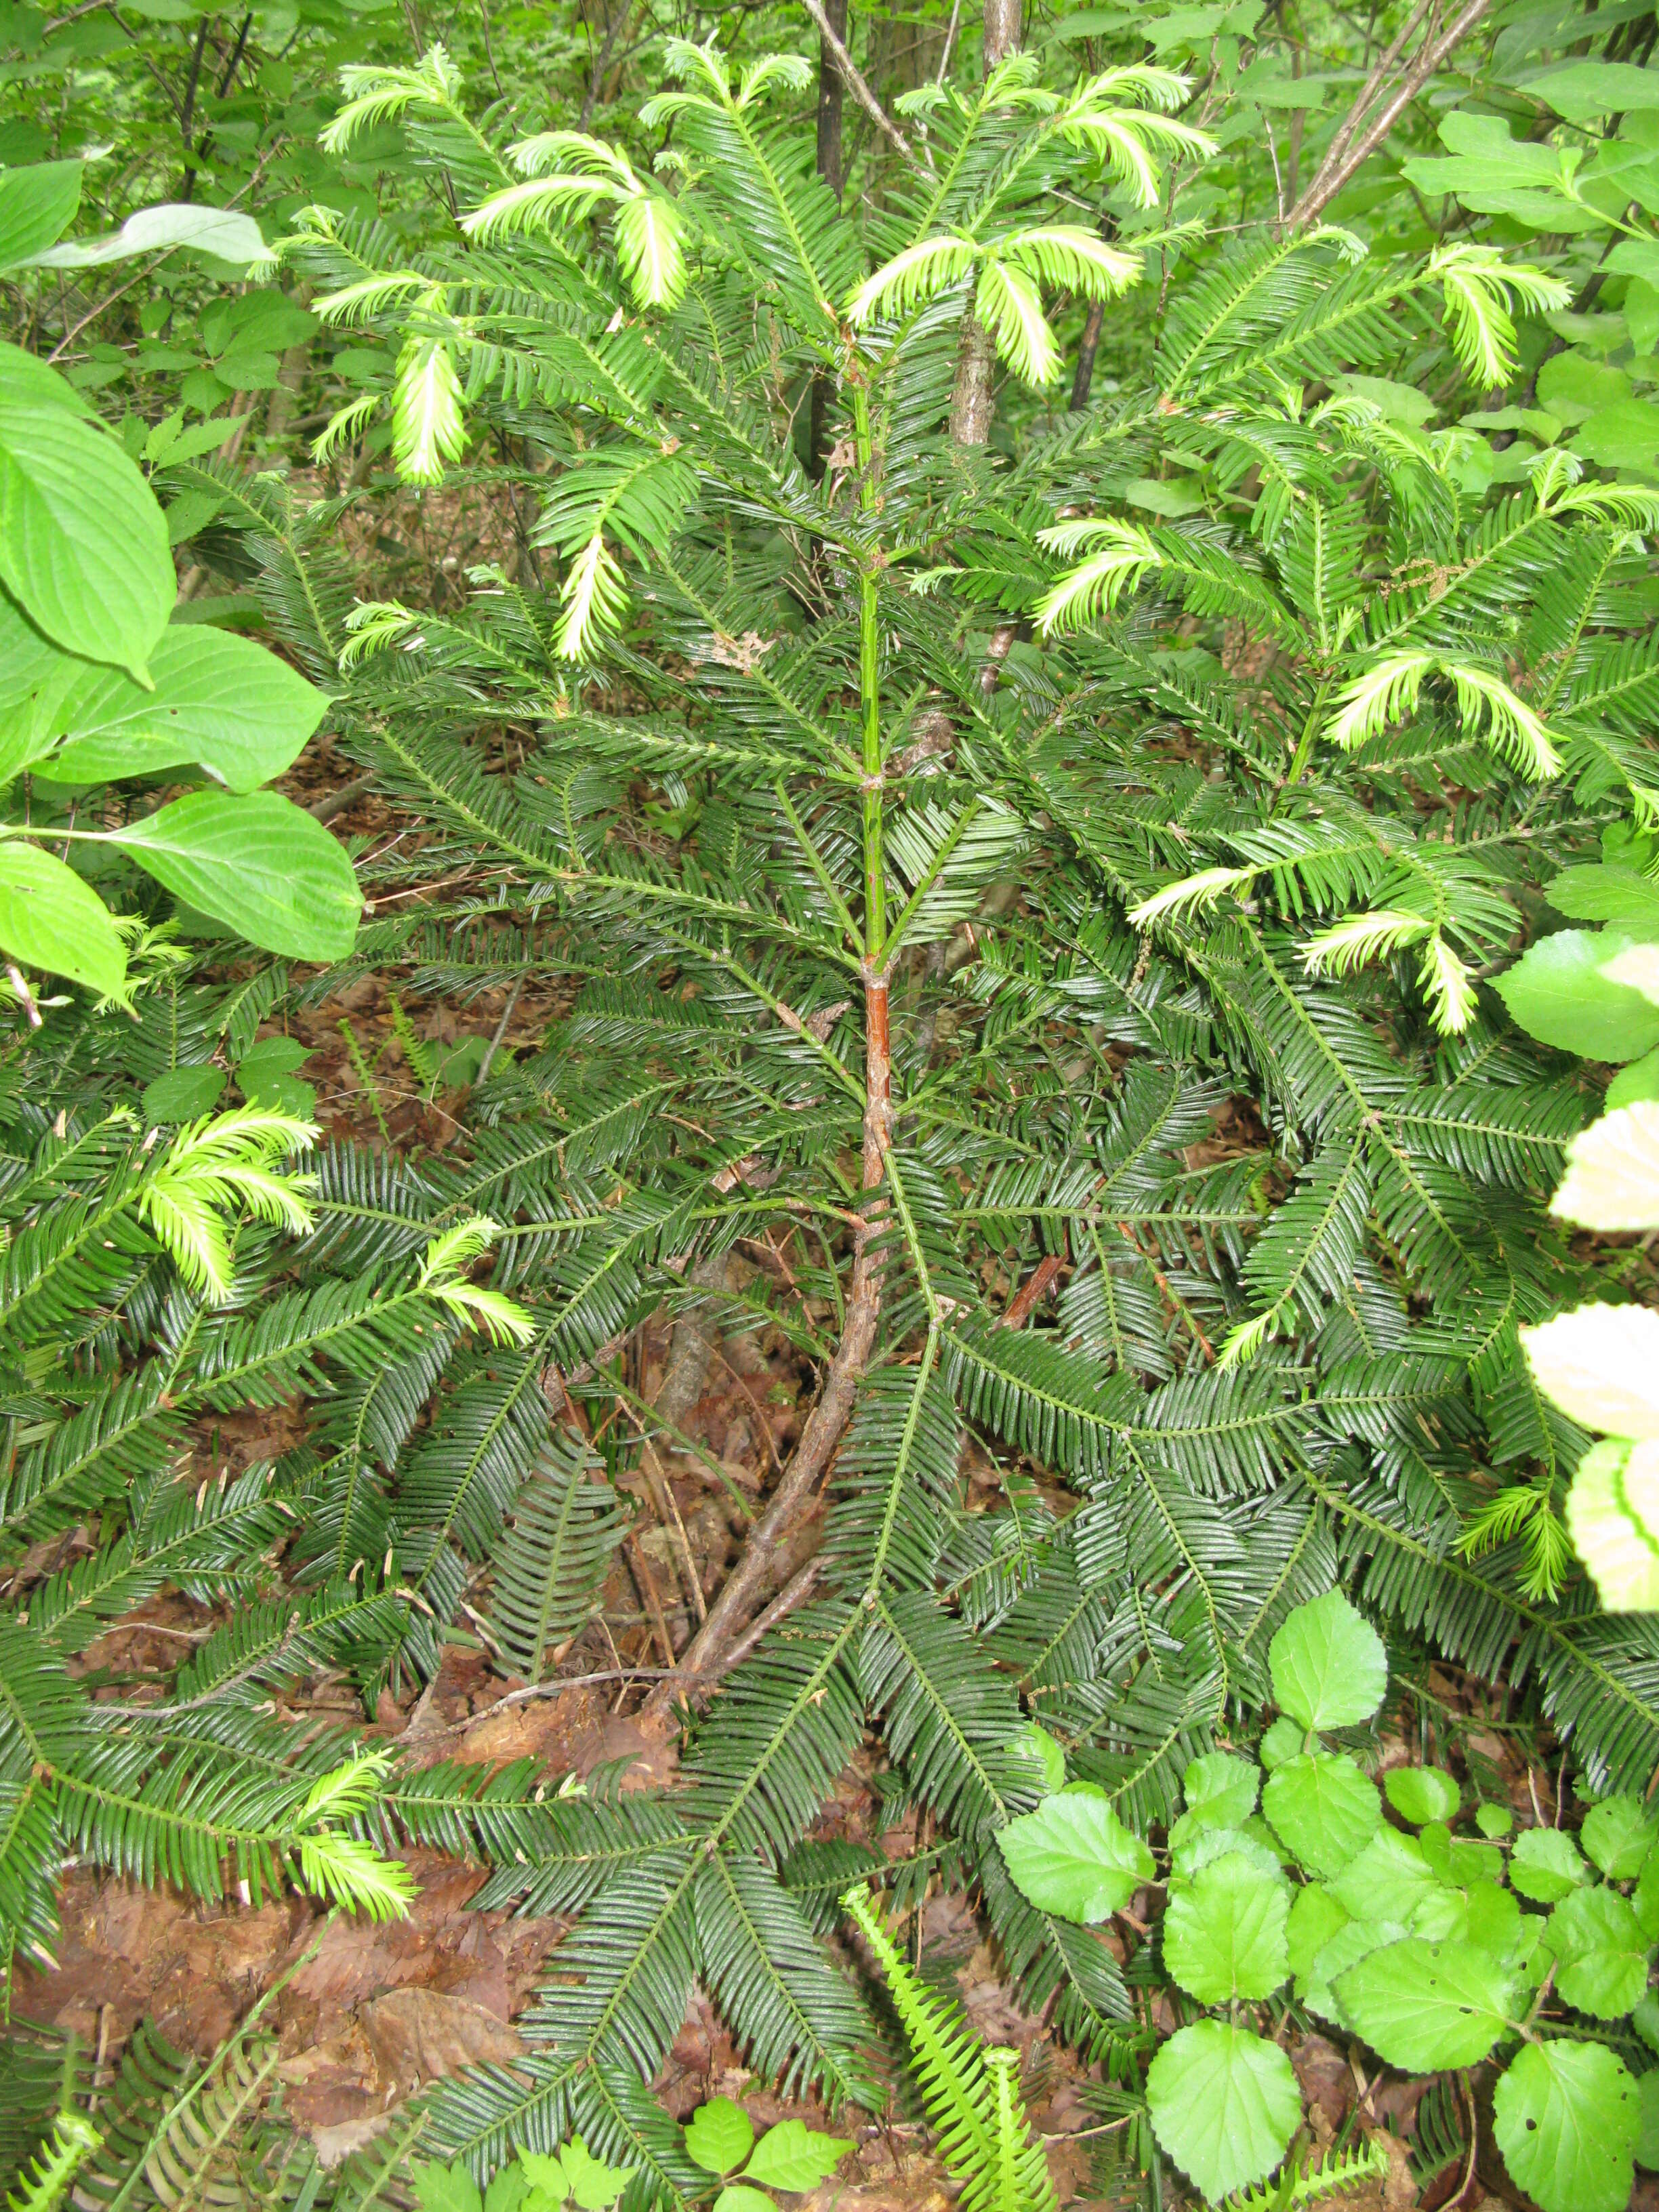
{"x": 494, "y": 1044}
{"x": 1433, "y": 52}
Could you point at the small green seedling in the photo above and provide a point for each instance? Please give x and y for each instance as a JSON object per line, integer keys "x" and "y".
{"x": 719, "y": 2137}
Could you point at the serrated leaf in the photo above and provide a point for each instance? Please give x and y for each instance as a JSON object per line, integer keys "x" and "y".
{"x": 719, "y": 2136}
{"x": 1390, "y": 1879}
{"x": 1612, "y": 1181}
{"x": 446, "y": 2187}
{"x": 1200, "y": 1847}
{"x": 260, "y": 863}
{"x": 593, "y": 2185}
{"x": 1223, "y": 2104}
{"x": 1223, "y": 1932}
{"x": 1283, "y": 1740}
{"x": 1547, "y": 1865}
{"x": 738, "y": 2196}
{"x": 1049, "y": 1755}
{"x": 1617, "y": 1835}
{"x": 1316, "y": 1918}
{"x": 794, "y": 2157}
{"x": 1422, "y": 1794}
{"x": 50, "y": 919}
{"x": 1612, "y": 1518}
{"x": 1647, "y": 2140}
{"x": 1558, "y": 993}
{"x": 1329, "y": 1670}
{"x": 1600, "y": 1953}
{"x": 1567, "y": 2117}
{"x": 183, "y": 1093}
{"x": 544, "y": 2171}
{"x": 1322, "y": 1808}
{"x": 1423, "y": 2005}
{"x": 1600, "y": 1364}
{"x": 1220, "y": 1790}
{"x": 1073, "y": 1856}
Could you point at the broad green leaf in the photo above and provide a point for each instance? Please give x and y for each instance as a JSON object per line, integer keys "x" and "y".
{"x": 1579, "y": 90}
{"x": 1625, "y": 436}
{"x": 1612, "y": 1518}
{"x": 1496, "y": 173}
{"x": 1201, "y": 1847}
{"x": 259, "y": 863}
{"x": 795, "y": 2157}
{"x": 1608, "y": 890}
{"x": 1329, "y": 1670}
{"x": 1283, "y": 1740}
{"x": 1636, "y": 1081}
{"x": 1358, "y": 1940}
{"x": 218, "y": 700}
{"x": 446, "y": 2187}
{"x": 37, "y": 205}
{"x": 266, "y": 1076}
{"x": 1574, "y": 385}
{"x": 1223, "y": 2104}
{"x": 1493, "y": 1921}
{"x": 220, "y": 233}
{"x": 83, "y": 546}
{"x": 1324, "y": 1810}
{"x": 26, "y": 380}
{"x": 1617, "y": 1835}
{"x": 1600, "y": 1365}
{"x": 1547, "y": 1865}
{"x": 719, "y": 2136}
{"x": 1389, "y": 1880}
{"x": 183, "y": 1093}
{"x": 1556, "y": 992}
{"x": 1644, "y": 1898}
{"x": 1221, "y": 1789}
{"x": 1493, "y": 1821}
{"x": 1421, "y": 1794}
{"x": 34, "y": 677}
{"x": 1423, "y": 2005}
{"x": 50, "y": 919}
{"x": 1049, "y": 1755}
{"x": 1567, "y": 2117}
{"x": 738, "y": 2196}
{"x": 1600, "y": 1951}
{"x": 1073, "y": 1856}
{"x": 593, "y": 2185}
{"x": 1612, "y": 1181}
{"x": 1647, "y": 2141}
{"x": 1316, "y": 1918}
{"x": 507, "y": 2192}
{"x": 546, "y": 2174}
{"x": 1223, "y": 1932}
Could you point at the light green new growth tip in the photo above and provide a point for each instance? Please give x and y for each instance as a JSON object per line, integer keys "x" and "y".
{"x": 971, "y": 2093}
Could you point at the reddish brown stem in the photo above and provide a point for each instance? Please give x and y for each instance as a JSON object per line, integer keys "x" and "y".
{"x": 1043, "y": 1277}
{"x": 761, "y": 1554}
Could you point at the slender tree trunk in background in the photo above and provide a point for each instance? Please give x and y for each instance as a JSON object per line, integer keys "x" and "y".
{"x": 830, "y": 95}
{"x": 1083, "y": 375}
{"x": 831, "y": 92}
{"x": 971, "y": 398}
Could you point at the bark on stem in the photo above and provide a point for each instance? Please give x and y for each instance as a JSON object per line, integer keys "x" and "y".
{"x": 970, "y": 395}
{"x": 829, "y": 1417}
